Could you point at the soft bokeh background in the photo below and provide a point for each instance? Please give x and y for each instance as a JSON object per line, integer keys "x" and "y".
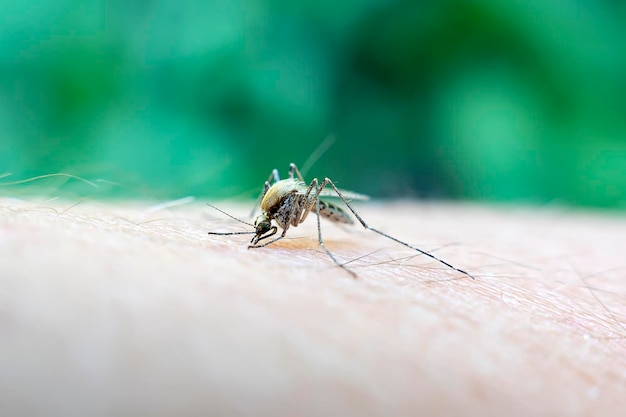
{"x": 504, "y": 101}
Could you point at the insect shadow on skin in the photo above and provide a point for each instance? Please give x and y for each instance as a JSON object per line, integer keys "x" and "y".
{"x": 288, "y": 202}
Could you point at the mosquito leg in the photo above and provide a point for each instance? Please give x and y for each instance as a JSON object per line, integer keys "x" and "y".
{"x": 273, "y": 176}
{"x": 262, "y": 245}
{"x": 368, "y": 227}
{"x": 254, "y": 243}
{"x": 230, "y": 233}
{"x": 293, "y": 169}
{"x": 308, "y": 205}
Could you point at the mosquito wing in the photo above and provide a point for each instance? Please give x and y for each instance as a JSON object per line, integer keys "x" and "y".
{"x": 349, "y": 195}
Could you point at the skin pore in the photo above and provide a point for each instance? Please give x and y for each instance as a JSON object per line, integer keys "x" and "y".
{"x": 132, "y": 309}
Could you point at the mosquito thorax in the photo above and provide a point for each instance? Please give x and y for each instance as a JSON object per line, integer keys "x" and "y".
{"x": 277, "y": 192}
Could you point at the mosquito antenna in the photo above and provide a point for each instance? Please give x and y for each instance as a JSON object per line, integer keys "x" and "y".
{"x": 232, "y": 217}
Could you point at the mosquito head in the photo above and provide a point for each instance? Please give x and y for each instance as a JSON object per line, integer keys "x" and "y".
{"x": 262, "y": 224}
{"x": 264, "y": 228}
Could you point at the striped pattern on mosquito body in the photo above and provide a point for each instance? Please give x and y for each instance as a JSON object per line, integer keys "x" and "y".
{"x": 334, "y": 213}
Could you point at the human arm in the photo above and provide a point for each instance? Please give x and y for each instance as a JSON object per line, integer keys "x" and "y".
{"x": 120, "y": 309}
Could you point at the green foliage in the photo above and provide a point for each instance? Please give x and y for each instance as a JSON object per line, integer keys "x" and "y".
{"x": 503, "y": 101}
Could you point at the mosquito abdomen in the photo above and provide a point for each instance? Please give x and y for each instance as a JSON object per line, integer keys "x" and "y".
{"x": 334, "y": 213}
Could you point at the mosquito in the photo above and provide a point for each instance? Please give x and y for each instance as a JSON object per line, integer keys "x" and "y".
{"x": 288, "y": 202}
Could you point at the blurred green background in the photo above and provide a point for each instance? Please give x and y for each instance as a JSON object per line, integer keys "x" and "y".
{"x": 519, "y": 101}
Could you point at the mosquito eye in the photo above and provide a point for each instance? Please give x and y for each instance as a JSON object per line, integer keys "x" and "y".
{"x": 262, "y": 226}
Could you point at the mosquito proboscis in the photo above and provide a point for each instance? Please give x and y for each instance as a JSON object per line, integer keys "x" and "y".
{"x": 288, "y": 202}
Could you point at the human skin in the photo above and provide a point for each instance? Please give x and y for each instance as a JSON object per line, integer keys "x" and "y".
{"x": 132, "y": 309}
